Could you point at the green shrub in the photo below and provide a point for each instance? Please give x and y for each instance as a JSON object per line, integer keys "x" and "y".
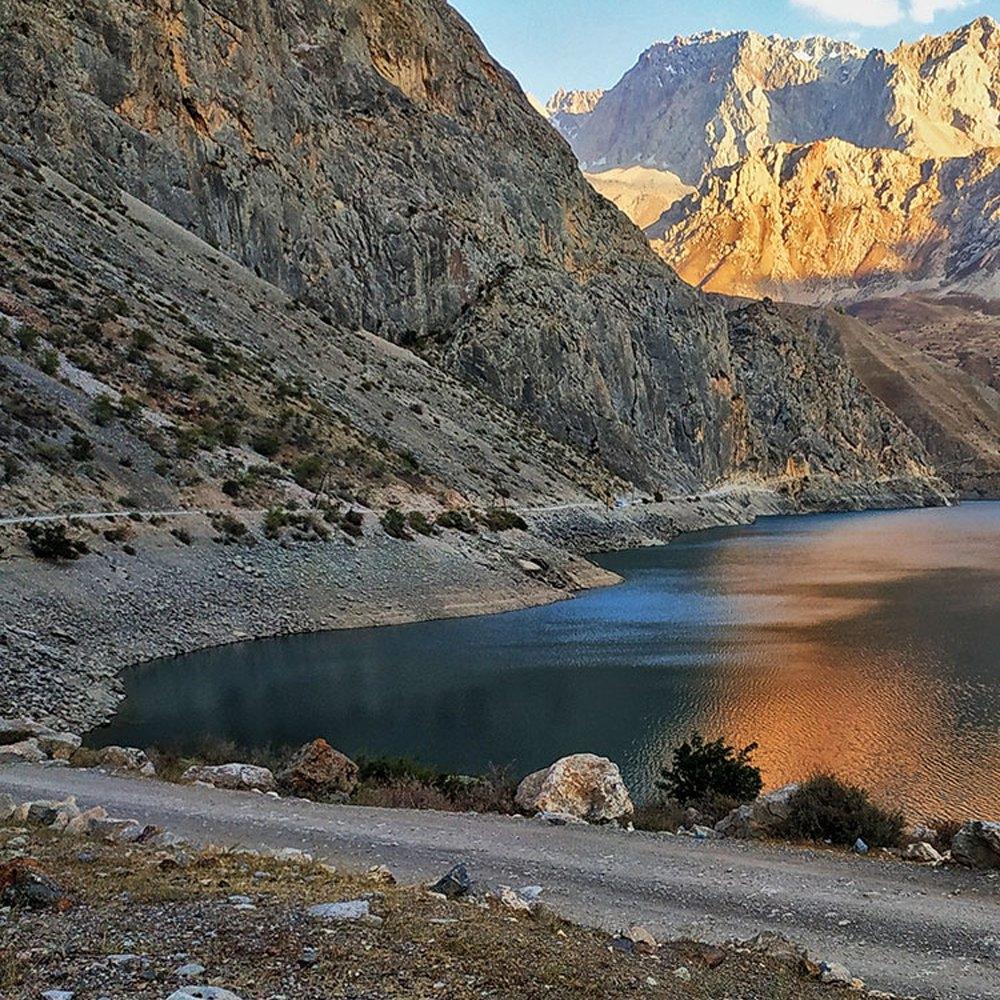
{"x": 308, "y": 471}
{"x": 230, "y": 528}
{"x": 394, "y": 524}
{"x": 49, "y": 540}
{"x": 48, "y": 363}
{"x": 458, "y": 520}
{"x": 417, "y": 520}
{"x": 80, "y": 448}
{"x": 498, "y": 519}
{"x": 826, "y": 808}
{"x": 352, "y": 523}
{"x": 701, "y": 770}
{"x": 103, "y": 410}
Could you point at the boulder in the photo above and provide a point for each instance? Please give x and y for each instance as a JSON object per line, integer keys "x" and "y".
{"x": 923, "y": 852}
{"x": 977, "y": 844}
{"x": 318, "y": 770}
{"x": 58, "y": 746}
{"x": 760, "y": 818}
{"x": 126, "y": 759}
{"x": 581, "y": 785}
{"x": 27, "y": 749}
{"x": 236, "y": 777}
{"x": 18, "y": 730}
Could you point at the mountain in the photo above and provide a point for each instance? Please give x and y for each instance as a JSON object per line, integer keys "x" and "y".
{"x": 377, "y": 202}
{"x": 808, "y": 223}
{"x": 820, "y": 168}
{"x": 641, "y": 193}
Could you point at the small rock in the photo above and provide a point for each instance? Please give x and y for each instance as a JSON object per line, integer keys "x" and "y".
{"x": 454, "y": 884}
{"x": 190, "y": 971}
{"x": 683, "y": 973}
{"x": 834, "y": 972}
{"x": 352, "y": 909}
{"x": 642, "y": 941}
{"x": 126, "y": 759}
{"x": 860, "y": 847}
{"x": 57, "y": 995}
{"x": 22, "y": 883}
{"x": 977, "y": 844}
{"x": 235, "y": 777}
{"x": 308, "y": 957}
{"x": 923, "y": 853}
{"x": 203, "y": 993}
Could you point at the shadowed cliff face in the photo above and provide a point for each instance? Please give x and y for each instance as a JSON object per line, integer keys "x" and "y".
{"x": 374, "y": 161}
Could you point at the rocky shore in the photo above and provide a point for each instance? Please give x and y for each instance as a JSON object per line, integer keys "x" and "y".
{"x": 177, "y": 585}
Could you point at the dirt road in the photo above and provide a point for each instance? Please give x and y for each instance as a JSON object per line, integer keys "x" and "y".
{"x": 908, "y": 929}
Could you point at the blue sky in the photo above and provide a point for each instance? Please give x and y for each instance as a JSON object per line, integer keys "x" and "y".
{"x": 590, "y": 43}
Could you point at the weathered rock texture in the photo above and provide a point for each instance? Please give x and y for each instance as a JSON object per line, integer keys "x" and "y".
{"x": 802, "y": 222}
{"x": 695, "y": 104}
{"x": 318, "y": 770}
{"x": 820, "y": 167}
{"x": 977, "y": 844}
{"x": 372, "y": 160}
{"x": 582, "y": 785}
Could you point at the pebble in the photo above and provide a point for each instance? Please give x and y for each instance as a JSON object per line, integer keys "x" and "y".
{"x": 190, "y": 971}
{"x": 352, "y": 909}
{"x": 683, "y": 973}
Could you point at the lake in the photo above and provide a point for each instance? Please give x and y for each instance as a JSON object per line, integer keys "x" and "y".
{"x": 864, "y": 644}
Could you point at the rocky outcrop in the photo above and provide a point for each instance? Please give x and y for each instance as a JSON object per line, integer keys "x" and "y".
{"x": 236, "y": 777}
{"x": 318, "y": 771}
{"x": 641, "y": 193}
{"x": 957, "y": 417}
{"x": 583, "y": 786}
{"x": 977, "y": 844}
{"x": 802, "y": 223}
{"x": 761, "y": 818}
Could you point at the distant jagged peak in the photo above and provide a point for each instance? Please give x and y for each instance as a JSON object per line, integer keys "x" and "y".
{"x": 808, "y": 48}
{"x": 573, "y": 102}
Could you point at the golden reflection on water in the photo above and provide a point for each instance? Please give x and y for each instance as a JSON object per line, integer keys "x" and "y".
{"x": 883, "y": 713}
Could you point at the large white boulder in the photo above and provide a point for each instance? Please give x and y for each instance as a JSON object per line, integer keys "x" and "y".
{"x": 582, "y": 785}
{"x": 977, "y": 844}
{"x": 239, "y": 777}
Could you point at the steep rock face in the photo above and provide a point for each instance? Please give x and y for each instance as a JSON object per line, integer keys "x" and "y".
{"x": 374, "y": 161}
{"x": 791, "y": 145}
{"x": 934, "y": 98}
{"x": 957, "y": 417}
{"x": 804, "y": 222}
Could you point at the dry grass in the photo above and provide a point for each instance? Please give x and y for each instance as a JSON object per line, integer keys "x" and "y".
{"x": 140, "y": 900}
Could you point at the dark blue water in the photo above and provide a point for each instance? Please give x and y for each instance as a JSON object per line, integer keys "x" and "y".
{"x": 866, "y": 644}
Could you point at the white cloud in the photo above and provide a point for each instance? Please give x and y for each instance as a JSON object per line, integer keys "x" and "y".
{"x": 867, "y": 13}
{"x": 924, "y": 11}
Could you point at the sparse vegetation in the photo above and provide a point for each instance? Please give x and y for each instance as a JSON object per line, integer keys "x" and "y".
{"x": 394, "y": 524}
{"x": 500, "y": 519}
{"x": 826, "y": 808}
{"x": 80, "y": 448}
{"x": 50, "y": 540}
{"x": 701, "y": 770}
{"x": 457, "y": 520}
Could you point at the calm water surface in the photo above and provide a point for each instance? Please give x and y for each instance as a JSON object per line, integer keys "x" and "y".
{"x": 867, "y": 644}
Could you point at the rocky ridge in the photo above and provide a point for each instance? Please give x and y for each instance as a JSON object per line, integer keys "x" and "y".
{"x": 821, "y": 168}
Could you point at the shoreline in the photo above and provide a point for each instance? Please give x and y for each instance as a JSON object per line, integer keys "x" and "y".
{"x": 74, "y": 628}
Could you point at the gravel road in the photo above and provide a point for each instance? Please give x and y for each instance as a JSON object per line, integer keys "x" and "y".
{"x": 911, "y": 930}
